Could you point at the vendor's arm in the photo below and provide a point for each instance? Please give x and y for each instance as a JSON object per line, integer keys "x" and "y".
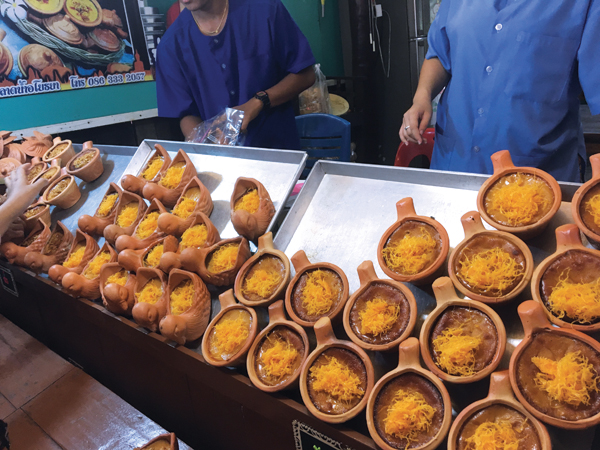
{"x": 187, "y": 125}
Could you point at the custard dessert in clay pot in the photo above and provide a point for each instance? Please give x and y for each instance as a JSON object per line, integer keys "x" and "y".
{"x": 173, "y": 182}
{"x": 585, "y": 205}
{"x": 33, "y": 242}
{"x": 251, "y": 208}
{"x": 145, "y": 232}
{"x": 62, "y": 151}
{"x": 105, "y": 213}
{"x": 51, "y": 174}
{"x": 130, "y": 210}
{"x": 33, "y": 213}
{"x": 152, "y": 171}
{"x": 150, "y": 256}
{"x": 62, "y": 193}
{"x": 87, "y": 284}
{"x": 54, "y": 252}
{"x": 116, "y": 289}
{"x": 85, "y": 13}
{"x": 82, "y": 250}
{"x": 87, "y": 164}
{"x": 166, "y": 441}
{"x": 35, "y": 170}
{"x": 151, "y": 299}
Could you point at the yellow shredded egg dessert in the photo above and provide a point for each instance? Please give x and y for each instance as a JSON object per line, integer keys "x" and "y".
{"x": 194, "y": 237}
{"x": 411, "y": 254}
{"x": 93, "y": 269}
{"x": 250, "y": 202}
{"x": 182, "y": 297}
{"x": 492, "y": 271}
{"x": 148, "y": 225}
{"x": 128, "y": 214}
{"x": 151, "y": 292}
{"x": 224, "y": 258}
{"x": 229, "y": 334}
{"x": 408, "y": 414}
{"x": 75, "y": 257}
{"x": 455, "y": 351}
{"x": 152, "y": 168}
{"x": 578, "y": 301}
{"x": 378, "y": 317}
{"x": 107, "y": 204}
{"x": 119, "y": 278}
{"x": 153, "y": 257}
{"x": 172, "y": 176}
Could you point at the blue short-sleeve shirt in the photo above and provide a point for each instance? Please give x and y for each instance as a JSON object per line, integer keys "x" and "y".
{"x": 516, "y": 69}
{"x": 202, "y": 75}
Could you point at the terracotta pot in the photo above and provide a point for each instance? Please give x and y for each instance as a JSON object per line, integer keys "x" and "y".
{"x": 133, "y": 260}
{"x": 503, "y": 166}
{"x": 251, "y": 225}
{"x": 12, "y": 150}
{"x": 171, "y": 224}
{"x": 195, "y": 260}
{"x": 134, "y": 242}
{"x": 58, "y": 271}
{"x": 302, "y": 265}
{"x": 35, "y": 170}
{"x": 96, "y": 224}
{"x": 92, "y": 170}
{"x": 500, "y": 394}
{"x": 368, "y": 278}
{"x": 593, "y": 237}
{"x": 326, "y": 340}
{"x": 408, "y": 363}
{"x": 67, "y": 198}
{"x": 172, "y": 260}
{"x": 446, "y": 298}
{"x": 265, "y": 248}
{"x": 536, "y": 322}
{"x": 34, "y": 146}
{"x": 136, "y": 183}
{"x": 7, "y": 165}
{"x": 42, "y": 261}
{"x": 228, "y": 304}
{"x": 15, "y": 254}
{"x": 168, "y": 196}
{"x": 146, "y": 314}
{"x": 64, "y": 156}
{"x": 43, "y": 214}
{"x": 78, "y": 285}
{"x": 52, "y": 173}
{"x": 277, "y": 319}
{"x": 168, "y": 438}
{"x": 113, "y": 231}
{"x": 474, "y": 228}
{"x": 406, "y": 213}
{"x": 189, "y": 325}
{"x": 116, "y": 298}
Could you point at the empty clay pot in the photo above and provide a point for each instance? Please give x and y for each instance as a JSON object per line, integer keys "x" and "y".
{"x": 78, "y": 285}
{"x": 54, "y": 251}
{"x": 503, "y": 166}
{"x": 113, "y": 231}
{"x": 167, "y": 440}
{"x": 266, "y": 258}
{"x": 61, "y": 150}
{"x": 136, "y": 183}
{"x": 96, "y": 224}
{"x": 230, "y": 310}
{"x": 449, "y": 302}
{"x": 149, "y": 315}
{"x": 133, "y": 260}
{"x": 118, "y": 299}
{"x": 67, "y": 197}
{"x": 168, "y": 196}
{"x": 409, "y": 220}
{"x": 251, "y": 225}
{"x": 584, "y": 194}
{"x": 58, "y": 271}
{"x": 393, "y": 292}
{"x": 33, "y": 242}
{"x": 36, "y": 211}
{"x": 136, "y": 241}
{"x": 90, "y": 170}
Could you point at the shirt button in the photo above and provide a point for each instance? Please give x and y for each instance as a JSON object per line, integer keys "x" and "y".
{"x": 489, "y": 69}
{"x": 217, "y": 41}
{"x": 223, "y": 66}
{"x": 498, "y": 26}
{"x": 476, "y": 149}
{"x": 232, "y": 92}
{"x": 480, "y": 111}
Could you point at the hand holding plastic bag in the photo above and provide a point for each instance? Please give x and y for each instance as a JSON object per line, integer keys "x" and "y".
{"x": 316, "y": 98}
{"x": 223, "y": 129}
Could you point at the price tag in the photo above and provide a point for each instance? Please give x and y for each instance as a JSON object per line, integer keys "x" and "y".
{"x": 8, "y": 281}
{"x": 308, "y": 438}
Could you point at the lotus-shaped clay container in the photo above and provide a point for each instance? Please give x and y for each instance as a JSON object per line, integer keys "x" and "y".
{"x": 409, "y": 376}
{"x": 255, "y": 224}
{"x": 67, "y": 195}
{"x": 294, "y": 301}
{"x": 322, "y": 404}
{"x": 54, "y": 252}
{"x": 117, "y": 298}
{"x": 87, "y": 164}
{"x": 233, "y": 354}
{"x": 266, "y": 260}
{"x": 149, "y": 315}
{"x": 139, "y": 238}
{"x": 190, "y": 324}
{"x": 573, "y": 262}
{"x": 58, "y": 271}
{"x": 199, "y": 261}
{"x": 136, "y": 183}
{"x": 96, "y": 224}
{"x": 133, "y": 260}
{"x": 113, "y": 231}
{"x": 478, "y": 240}
{"x": 454, "y": 312}
{"x": 544, "y": 340}
{"x": 169, "y": 195}
{"x": 36, "y": 211}
{"x": 33, "y": 242}
{"x": 61, "y": 150}
{"x": 36, "y": 145}
{"x": 410, "y": 223}
{"x": 172, "y": 259}
{"x": 503, "y": 170}
{"x": 78, "y": 285}
{"x": 52, "y": 173}
{"x": 286, "y": 331}
{"x": 581, "y": 207}
{"x": 166, "y": 441}
{"x": 180, "y": 220}
{"x": 499, "y": 405}
{"x": 395, "y": 294}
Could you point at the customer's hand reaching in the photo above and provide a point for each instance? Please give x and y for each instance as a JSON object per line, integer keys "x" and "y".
{"x": 19, "y": 192}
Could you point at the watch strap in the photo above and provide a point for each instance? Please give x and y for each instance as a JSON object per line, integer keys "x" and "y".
{"x": 264, "y": 98}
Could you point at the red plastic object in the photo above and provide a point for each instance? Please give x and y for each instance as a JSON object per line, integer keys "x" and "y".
{"x": 406, "y": 153}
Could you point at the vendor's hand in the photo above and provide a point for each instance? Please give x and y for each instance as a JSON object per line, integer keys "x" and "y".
{"x": 19, "y": 192}
{"x": 16, "y": 230}
{"x": 415, "y": 121}
{"x": 251, "y": 108}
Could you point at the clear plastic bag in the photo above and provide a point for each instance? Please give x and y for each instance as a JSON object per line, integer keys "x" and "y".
{"x": 223, "y": 129}
{"x": 316, "y": 98}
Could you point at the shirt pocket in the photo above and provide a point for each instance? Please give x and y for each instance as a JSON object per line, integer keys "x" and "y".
{"x": 542, "y": 67}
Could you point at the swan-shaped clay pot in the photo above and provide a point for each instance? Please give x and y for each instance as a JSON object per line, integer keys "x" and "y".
{"x": 135, "y": 241}
{"x": 33, "y": 242}
{"x": 62, "y": 150}
{"x": 91, "y": 170}
{"x": 54, "y": 252}
{"x": 113, "y": 231}
{"x": 172, "y": 260}
{"x": 36, "y": 211}
{"x": 149, "y": 315}
{"x": 169, "y": 196}
{"x": 133, "y": 260}
{"x": 67, "y": 197}
{"x": 584, "y": 220}
{"x": 266, "y": 257}
{"x": 36, "y": 145}
{"x": 58, "y": 271}
{"x": 251, "y": 225}
{"x": 96, "y": 224}
{"x": 190, "y": 324}
{"x": 166, "y": 441}
{"x": 136, "y": 183}
{"x": 117, "y": 298}
{"x": 230, "y": 310}
{"x": 78, "y": 285}
{"x": 171, "y": 223}
{"x": 198, "y": 261}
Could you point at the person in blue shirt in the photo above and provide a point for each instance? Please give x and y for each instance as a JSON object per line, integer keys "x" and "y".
{"x": 512, "y": 71}
{"x": 246, "y": 54}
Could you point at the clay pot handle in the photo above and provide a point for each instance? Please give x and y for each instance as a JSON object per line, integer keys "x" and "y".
{"x": 276, "y": 312}
{"x": 501, "y": 161}
{"x": 405, "y": 207}
{"x": 595, "y": 162}
{"x": 568, "y": 236}
{"x": 56, "y": 140}
{"x": 443, "y": 289}
{"x": 324, "y": 332}
{"x": 532, "y": 316}
{"x": 265, "y": 242}
{"x": 227, "y": 299}
{"x": 86, "y": 144}
{"x": 300, "y": 260}
{"x": 366, "y": 272}
{"x": 500, "y": 387}
{"x": 471, "y": 223}
{"x": 408, "y": 353}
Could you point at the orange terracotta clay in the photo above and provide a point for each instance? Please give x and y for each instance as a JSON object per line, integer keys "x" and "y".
{"x": 134, "y": 242}
{"x": 116, "y": 298}
{"x": 96, "y": 224}
{"x": 42, "y": 261}
{"x": 67, "y": 198}
{"x": 168, "y": 196}
{"x": 113, "y": 231}
{"x": 35, "y": 169}
{"x": 37, "y": 145}
{"x": 168, "y": 438}
{"x": 92, "y": 170}
{"x": 145, "y": 314}
{"x": 52, "y": 173}
{"x": 251, "y": 225}
{"x": 136, "y": 183}
{"x": 67, "y": 152}
{"x": 585, "y": 191}
{"x": 43, "y": 214}
{"x": 78, "y": 285}
{"x": 133, "y": 260}
{"x": 7, "y": 165}
{"x": 58, "y": 271}
{"x": 15, "y": 254}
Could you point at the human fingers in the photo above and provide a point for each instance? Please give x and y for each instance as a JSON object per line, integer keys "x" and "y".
{"x": 407, "y": 128}
{"x": 424, "y": 123}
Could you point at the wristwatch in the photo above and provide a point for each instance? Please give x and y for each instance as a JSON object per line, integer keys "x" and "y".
{"x": 264, "y": 98}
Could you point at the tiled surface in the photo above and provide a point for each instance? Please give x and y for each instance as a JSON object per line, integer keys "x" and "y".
{"x": 23, "y": 434}
{"x": 6, "y": 408}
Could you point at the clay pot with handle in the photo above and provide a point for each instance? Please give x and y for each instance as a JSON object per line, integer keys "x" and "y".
{"x": 586, "y": 192}
{"x": 63, "y": 156}
{"x": 116, "y": 298}
{"x": 15, "y": 254}
{"x": 96, "y": 224}
{"x": 52, "y": 173}
{"x": 78, "y": 285}
{"x": 67, "y": 197}
{"x": 42, "y": 261}
{"x": 136, "y": 183}
{"x": 58, "y": 271}
{"x": 145, "y": 314}
{"x": 251, "y": 225}
{"x": 42, "y": 213}
{"x": 135, "y": 242}
{"x": 169, "y": 196}
{"x": 113, "y": 231}
{"x": 92, "y": 170}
